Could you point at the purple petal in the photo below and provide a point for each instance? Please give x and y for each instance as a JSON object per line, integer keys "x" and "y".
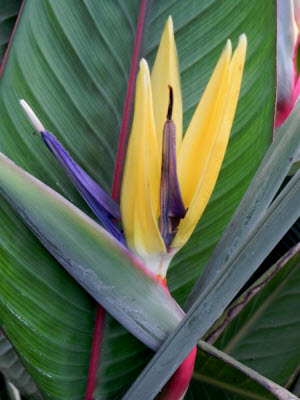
{"x": 171, "y": 205}
{"x": 105, "y": 208}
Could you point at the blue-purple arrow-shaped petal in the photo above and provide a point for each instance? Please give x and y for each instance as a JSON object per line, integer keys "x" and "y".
{"x": 104, "y": 207}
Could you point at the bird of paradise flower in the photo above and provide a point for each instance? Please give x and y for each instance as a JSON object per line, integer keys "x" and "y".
{"x": 168, "y": 179}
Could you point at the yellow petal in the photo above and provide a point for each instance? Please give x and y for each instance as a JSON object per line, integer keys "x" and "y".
{"x": 166, "y": 72}
{"x": 141, "y": 179}
{"x": 218, "y": 143}
{"x": 195, "y": 147}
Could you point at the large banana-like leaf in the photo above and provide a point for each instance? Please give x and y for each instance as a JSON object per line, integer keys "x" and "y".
{"x": 72, "y": 65}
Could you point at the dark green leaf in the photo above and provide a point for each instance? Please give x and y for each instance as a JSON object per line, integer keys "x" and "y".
{"x": 263, "y": 336}
{"x": 278, "y": 391}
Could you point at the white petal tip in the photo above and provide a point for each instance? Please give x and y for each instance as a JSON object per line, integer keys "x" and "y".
{"x": 228, "y": 47}
{"x": 144, "y": 65}
{"x": 36, "y": 123}
{"x": 170, "y": 22}
{"x": 243, "y": 39}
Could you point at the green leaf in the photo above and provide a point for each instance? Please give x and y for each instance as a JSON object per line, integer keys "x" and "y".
{"x": 15, "y": 372}
{"x": 278, "y": 391}
{"x": 263, "y": 336}
{"x": 72, "y": 66}
{"x": 280, "y": 216}
{"x": 9, "y": 10}
{"x": 211, "y": 388}
{"x": 121, "y": 360}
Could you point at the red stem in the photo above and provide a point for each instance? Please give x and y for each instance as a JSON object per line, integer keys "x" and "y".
{"x": 95, "y": 355}
{"x": 10, "y": 40}
{"x": 120, "y": 159}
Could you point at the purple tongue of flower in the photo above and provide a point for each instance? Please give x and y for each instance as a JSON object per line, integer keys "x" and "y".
{"x": 105, "y": 208}
{"x": 171, "y": 205}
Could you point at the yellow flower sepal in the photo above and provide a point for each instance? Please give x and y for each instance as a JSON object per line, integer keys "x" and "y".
{"x": 204, "y": 145}
{"x": 141, "y": 179}
{"x": 165, "y": 73}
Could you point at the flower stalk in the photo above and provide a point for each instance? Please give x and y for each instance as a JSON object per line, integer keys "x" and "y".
{"x": 168, "y": 180}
